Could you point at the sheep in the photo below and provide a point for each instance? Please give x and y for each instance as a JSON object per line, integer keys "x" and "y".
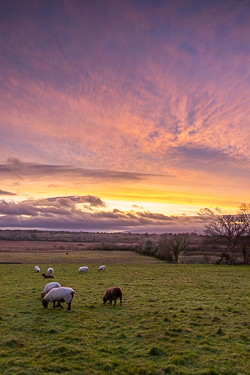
{"x": 60, "y": 294}
{"x": 37, "y": 269}
{"x": 113, "y": 294}
{"x": 83, "y": 269}
{"x": 49, "y": 286}
{"x": 50, "y": 270}
{"x": 102, "y": 268}
{"x": 48, "y": 276}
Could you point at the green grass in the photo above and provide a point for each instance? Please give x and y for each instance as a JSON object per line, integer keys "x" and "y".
{"x": 175, "y": 319}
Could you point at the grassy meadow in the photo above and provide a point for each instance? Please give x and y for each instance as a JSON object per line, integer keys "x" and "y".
{"x": 175, "y": 318}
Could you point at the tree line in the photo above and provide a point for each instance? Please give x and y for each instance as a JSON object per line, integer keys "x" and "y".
{"x": 232, "y": 230}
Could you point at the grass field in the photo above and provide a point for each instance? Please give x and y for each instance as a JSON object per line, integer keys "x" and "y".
{"x": 175, "y": 318}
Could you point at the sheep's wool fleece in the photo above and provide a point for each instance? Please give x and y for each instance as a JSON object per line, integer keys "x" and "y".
{"x": 58, "y": 294}
{"x": 83, "y": 269}
{"x": 50, "y": 286}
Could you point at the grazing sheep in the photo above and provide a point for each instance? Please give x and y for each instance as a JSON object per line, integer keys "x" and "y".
{"x": 102, "y": 268}
{"x": 49, "y": 286}
{"x": 50, "y": 270}
{"x": 37, "y": 269}
{"x": 61, "y": 294}
{"x": 113, "y": 294}
{"x": 83, "y": 269}
{"x": 48, "y": 276}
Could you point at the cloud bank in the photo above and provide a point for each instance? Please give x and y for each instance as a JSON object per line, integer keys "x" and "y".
{"x": 87, "y": 214}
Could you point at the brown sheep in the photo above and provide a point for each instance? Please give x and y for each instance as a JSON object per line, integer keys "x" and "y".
{"x": 113, "y": 294}
{"x": 48, "y": 276}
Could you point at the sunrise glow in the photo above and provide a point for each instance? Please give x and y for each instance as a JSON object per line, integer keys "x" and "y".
{"x": 123, "y": 115}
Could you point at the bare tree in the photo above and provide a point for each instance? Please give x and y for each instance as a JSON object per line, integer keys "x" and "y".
{"x": 173, "y": 244}
{"x": 229, "y": 228}
{"x": 244, "y": 213}
{"x": 163, "y": 250}
{"x": 244, "y": 210}
{"x": 245, "y": 245}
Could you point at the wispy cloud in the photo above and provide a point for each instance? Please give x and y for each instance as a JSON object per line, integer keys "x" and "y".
{"x": 2, "y": 192}
{"x": 14, "y": 168}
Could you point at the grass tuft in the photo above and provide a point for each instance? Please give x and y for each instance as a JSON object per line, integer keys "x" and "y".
{"x": 219, "y": 331}
{"x": 13, "y": 343}
{"x": 155, "y": 351}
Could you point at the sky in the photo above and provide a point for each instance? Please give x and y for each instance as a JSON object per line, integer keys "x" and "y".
{"x": 123, "y": 115}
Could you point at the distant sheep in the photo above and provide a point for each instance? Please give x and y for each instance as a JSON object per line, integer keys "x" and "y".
{"x": 102, "y": 268}
{"x": 61, "y": 294}
{"x": 37, "y": 269}
{"x": 50, "y": 270}
{"x": 113, "y": 294}
{"x": 83, "y": 269}
{"x": 48, "y": 276}
{"x": 49, "y": 286}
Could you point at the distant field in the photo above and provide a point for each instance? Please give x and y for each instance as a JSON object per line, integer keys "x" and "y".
{"x": 88, "y": 257}
{"x": 175, "y": 319}
{"x": 64, "y": 252}
{"x": 31, "y": 252}
{"x": 43, "y": 246}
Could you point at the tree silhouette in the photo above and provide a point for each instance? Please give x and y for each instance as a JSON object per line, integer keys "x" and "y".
{"x": 173, "y": 244}
{"x": 229, "y": 228}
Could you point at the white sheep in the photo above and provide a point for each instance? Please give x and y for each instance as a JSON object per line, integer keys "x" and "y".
{"x": 83, "y": 269}
{"x": 50, "y": 270}
{"x": 61, "y": 294}
{"x": 37, "y": 269}
{"x": 50, "y": 286}
{"x": 102, "y": 268}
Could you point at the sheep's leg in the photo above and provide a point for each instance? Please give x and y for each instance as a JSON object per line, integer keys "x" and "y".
{"x": 60, "y": 305}
{"x": 110, "y": 301}
{"x": 54, "y": 304}
{"x": 69, "y": 306}
{"x": 114, "y": 302}
{"x": 120, "y": 302}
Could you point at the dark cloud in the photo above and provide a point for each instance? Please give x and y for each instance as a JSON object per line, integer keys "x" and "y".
{"x": 90, "y": 199}
{"x": 61, "y": 213}
{"x": 205, "y": 153}
{"x": 23, "y": 170}
{"x": 2, "y": 192}
{"x": 153, "y": 135}
{"x": 51, "y": 206}
{"x": 203, "y": 158}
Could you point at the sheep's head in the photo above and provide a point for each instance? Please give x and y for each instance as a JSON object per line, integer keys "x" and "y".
{"x": 45, "y": 304}
{"x": 104, "y": 299}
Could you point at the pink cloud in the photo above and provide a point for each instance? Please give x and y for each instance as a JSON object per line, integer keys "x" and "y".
{"x": 123, "y": 91}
